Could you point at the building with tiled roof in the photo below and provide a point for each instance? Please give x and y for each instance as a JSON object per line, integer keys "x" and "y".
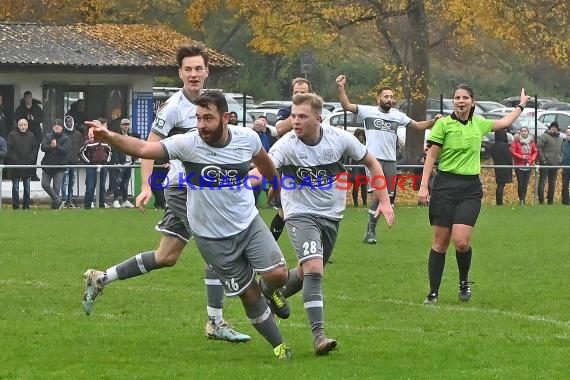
{"x": 108, "y": 65}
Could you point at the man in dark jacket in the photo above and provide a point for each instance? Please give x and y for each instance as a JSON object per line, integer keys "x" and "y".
{"x": 123, "y": 174}
{"x": 55, "y": 145}
{"x": 75, "y": 144}
{"x": 550, "y": 155}
{"x": 21, "y": 151}
{"x": 31, "y": 110}
{"x": 95, "y": 153}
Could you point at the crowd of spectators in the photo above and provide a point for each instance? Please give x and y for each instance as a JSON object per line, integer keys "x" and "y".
{"x": 64, "y": 143}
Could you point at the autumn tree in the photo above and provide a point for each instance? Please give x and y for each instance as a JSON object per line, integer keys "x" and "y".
{"x": 405, "y": 34}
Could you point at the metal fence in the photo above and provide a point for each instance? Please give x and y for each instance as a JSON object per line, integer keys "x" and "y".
{"x": 533, "y": 183}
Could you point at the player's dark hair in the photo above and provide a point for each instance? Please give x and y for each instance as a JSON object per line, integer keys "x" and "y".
{"x": 215, "y": 98}
{"x": 192, "y": 50}
{"x": 382, "y": 89}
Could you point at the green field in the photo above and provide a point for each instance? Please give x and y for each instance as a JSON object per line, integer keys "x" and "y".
{"x": 517, "y": 325}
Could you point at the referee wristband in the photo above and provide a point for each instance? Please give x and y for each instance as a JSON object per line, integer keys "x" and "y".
{"x": 520, "y": 106}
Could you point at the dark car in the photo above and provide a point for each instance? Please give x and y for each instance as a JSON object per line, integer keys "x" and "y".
{"x": 514, "y": 100}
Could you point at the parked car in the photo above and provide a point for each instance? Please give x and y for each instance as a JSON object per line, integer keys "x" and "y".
{"x": 269, "y": 113}
{"x": 249, "y": 102}
{"x": 488, "y": 105}
{"x": 514, "y": 100}
{"x": 332, "y": 106}
{"x": 275, "y": 104}
{"x": 435, "y": 104}
{"x": 503, "y": 110}
{"x": 556, "y": 106}
{"x": 562, "y": 117}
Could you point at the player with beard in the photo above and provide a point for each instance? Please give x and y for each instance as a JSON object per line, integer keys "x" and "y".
{"x": 176, "y": 116}
{"x": 229, "y": 232}
{"x": 381, "y": 124}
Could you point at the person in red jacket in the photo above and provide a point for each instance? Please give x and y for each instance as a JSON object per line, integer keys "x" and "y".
{"x": 524, "y": 155}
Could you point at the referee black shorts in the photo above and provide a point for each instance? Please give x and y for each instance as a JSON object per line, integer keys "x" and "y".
{"x": 455, "y": 199}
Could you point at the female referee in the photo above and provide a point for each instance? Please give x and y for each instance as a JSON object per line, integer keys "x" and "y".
{"x": 455, "y": 200}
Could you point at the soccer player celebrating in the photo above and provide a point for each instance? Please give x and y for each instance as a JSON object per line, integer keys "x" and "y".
{"x": 381, "y": 124}
{"x": 310, "y": 155}
{"x": 230, "y": 235}
{"x": 176, "y": 116}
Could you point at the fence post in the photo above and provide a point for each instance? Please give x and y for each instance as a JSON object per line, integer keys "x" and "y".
{"x": 97, "y": 186}
{"x": 1, "y": 179}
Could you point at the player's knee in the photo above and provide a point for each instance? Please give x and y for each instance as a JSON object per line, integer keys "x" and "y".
{"x": 167, "y": 259}
{"x": 277, "y": 277}
{"x": 462, "y": 245}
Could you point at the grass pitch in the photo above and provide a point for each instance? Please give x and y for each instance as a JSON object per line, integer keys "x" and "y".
{"x": 151, "y": 327}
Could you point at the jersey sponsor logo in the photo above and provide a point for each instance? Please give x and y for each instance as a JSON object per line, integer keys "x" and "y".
{"x": 381, "y": 125}
{"x": 313, "y": 176}
{"x": 159, "y": 123}
{"x": 214, "y": 174}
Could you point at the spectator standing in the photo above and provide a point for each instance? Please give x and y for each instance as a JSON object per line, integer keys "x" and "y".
{"x": 566, "y": 171}
{"x": 3, "y": 149}
{"x": 31, "y": 110}
{"x": 77, "y": 111}
{"x": 123, "y": 174}
{"x": 501, "y": 154}
{"x": 358, "y": 171}
{"x": 21, "y": 151}
{"x": 260, "y": 127}
{"x": 550, "y": 155}
{"x": 75, "y": 144}
{"x": 524, "y": 153}
{"x": 95, "y": 153}
{"x": 233, "y": 118}
{"x": 55, "y": 145}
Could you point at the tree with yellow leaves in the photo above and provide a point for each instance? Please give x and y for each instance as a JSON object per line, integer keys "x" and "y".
{"x": 404, "y": 33}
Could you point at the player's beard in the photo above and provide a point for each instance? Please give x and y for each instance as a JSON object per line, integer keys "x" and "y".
{"x": 214, "y": 137}
{"x": 385, "y": 106}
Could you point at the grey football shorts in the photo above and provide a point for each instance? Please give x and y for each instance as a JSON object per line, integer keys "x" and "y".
{"x": 175, "y": 220}
{"x": 390, "y": 171}
{"x": 312, "y": 236}
{"x": 236, "y": 259}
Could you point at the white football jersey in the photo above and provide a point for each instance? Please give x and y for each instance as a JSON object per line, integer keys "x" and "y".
{"x": 219, "y": 204}
{"x": 309, "y": 172}
{"x": 380, "y": 128}
{"x": 176, "y": 116}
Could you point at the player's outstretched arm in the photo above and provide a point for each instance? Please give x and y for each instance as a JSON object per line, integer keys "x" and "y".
{"x": 130, "y": 145}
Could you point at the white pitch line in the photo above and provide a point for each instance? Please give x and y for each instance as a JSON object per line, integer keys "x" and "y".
{"x": 511, "y": 314}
